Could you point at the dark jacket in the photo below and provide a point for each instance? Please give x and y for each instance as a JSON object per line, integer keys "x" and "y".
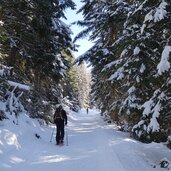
{"x": 60, "y": 116}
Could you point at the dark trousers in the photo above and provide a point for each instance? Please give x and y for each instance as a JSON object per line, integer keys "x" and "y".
{"x": 59, "y": 131}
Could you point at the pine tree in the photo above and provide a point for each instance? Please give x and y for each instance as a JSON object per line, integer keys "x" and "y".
{"x": 104, "y": 22}
{"x": 84, "y": 86}
{"x": 36, "y": 36}
{"x": 130, "y": 58}
{"x": 70, "y": 84}
{"x": 36, "y": 45}
{"x": 52, "y": 41}
{"x": 140, "y": 52}
{"x": 155, "y": 35}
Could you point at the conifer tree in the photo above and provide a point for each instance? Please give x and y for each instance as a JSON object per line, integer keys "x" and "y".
{"x": 104, "y": 22}
{"x": 37, "y": 43}
{"x": 131, "y": 54}
{"x": 70, "y": 84}
{"x": 84, "y": 86}
{"x": 155, "y": 44}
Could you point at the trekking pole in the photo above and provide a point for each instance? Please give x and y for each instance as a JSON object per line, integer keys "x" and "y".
{"x": 66, "y": 132}
{"x": 52, "y": 135}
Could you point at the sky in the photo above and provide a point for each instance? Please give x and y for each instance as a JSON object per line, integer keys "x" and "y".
{"x": 90, "y": 145}
{"x": 71, "y": 17}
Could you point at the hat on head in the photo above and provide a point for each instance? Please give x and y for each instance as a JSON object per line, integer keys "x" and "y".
{"x": 60, "y": 107}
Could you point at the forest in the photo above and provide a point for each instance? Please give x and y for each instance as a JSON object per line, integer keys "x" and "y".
{"x": 130, "y": 76}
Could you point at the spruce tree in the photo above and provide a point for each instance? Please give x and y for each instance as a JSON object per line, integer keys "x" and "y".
{"x": 36, "y": 45}
{"x": 131, "y": 62}
{"x": 155, "y": 33}
{"x": 104, "y": 22}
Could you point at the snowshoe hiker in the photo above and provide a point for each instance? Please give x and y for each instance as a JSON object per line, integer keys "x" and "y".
{"x": 60, "y": 119}
{"x": 87, "y": 110}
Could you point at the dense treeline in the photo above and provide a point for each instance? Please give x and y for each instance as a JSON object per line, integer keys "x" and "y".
{"x": 131, "y": 72}
{"x": 131, "y": 63}
{"x": 35, "y": 50}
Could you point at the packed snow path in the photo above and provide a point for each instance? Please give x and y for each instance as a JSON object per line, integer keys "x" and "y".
{"x": 93, "y": 145}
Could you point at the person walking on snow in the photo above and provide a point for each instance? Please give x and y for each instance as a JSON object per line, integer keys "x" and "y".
{"x": 87, "y": 110}
{"x": 60, "y": 119}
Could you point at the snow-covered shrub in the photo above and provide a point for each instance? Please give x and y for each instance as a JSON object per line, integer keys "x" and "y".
{"x": 13, "y": 104}
{"x": 10, "y": 94}
{"x": 4, "y": 72}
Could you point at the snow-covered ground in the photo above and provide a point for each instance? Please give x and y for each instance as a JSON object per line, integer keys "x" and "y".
{"x": 92, "y": 146}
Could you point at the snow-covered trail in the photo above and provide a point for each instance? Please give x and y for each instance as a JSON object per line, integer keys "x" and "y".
{"x": 93, "y": 146}
{"x": 100, "y": 147}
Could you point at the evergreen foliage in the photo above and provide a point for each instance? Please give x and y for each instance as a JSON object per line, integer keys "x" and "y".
{"x": 83, "y": 80}
{"x": 76, "y": 86}
{"x": 36, "y": 45}
{"x": 131, "y": 63}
